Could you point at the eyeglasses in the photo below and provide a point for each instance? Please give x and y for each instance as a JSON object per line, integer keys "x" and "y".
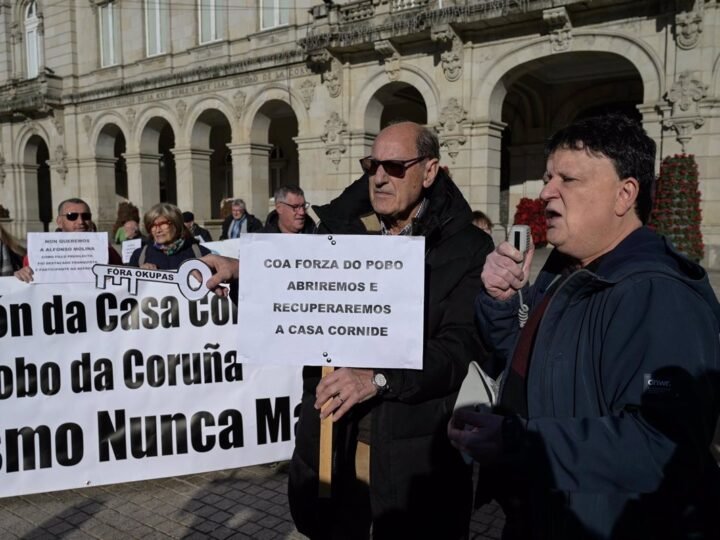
{"x": 164, "y": 224}
{"x": 297, "y": 207}
{"x": 72, "y": 216}
{"x": 394, "y": 167}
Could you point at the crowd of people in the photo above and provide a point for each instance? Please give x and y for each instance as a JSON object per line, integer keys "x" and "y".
{"x": 608, "y": 365}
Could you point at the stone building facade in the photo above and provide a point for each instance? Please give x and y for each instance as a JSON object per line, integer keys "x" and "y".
{"x": 195, "y": 101}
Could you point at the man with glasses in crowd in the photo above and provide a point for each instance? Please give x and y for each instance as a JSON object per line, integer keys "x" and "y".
{"x": 394, "y": 470}
{"x": 239, "y": 221}
{"x": 290, "y": 214}
{"x": 73, "y": 216}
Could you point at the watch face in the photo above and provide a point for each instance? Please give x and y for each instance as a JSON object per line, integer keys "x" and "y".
{"x": 380, "y": 380}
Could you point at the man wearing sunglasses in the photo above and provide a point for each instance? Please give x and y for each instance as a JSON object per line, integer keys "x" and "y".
{"x": 290, "y": 214}
{"x": 73, "y": 216}
{"x": 394, "y": 468}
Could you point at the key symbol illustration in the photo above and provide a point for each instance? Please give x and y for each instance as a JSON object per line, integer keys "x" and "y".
{"x": 180, "y": 277}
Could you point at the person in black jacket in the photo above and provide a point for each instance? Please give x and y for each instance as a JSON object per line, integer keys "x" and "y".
{"x": 196, "y": 231}
{"x": 239, "y": 221}
{"x": 394, "y": 468}
{"x": 612, "y": 387}
{"x": 290, "y": 214}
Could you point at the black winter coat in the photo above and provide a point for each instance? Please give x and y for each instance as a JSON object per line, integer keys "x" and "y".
{"x": 253, "y": 225}
{"x": 420, "y": 486}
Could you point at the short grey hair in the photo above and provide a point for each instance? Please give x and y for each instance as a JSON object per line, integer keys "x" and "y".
{"x": 427, "y": 143}
{"x": 238, "y": 202}
{"x": 73, "y": 200}
{"x": 282, "y": 192}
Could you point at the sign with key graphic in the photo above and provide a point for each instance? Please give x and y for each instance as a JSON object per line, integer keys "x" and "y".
{"x": 190, "y": 277}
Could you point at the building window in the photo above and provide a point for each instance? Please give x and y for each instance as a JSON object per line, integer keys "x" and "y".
{"x": 209, "y": 16}
{"x": 33, "y": 45}
{"x": 109, "y": 35}
{"x": 156, "y": 26}
{"x": 274, "y": 13}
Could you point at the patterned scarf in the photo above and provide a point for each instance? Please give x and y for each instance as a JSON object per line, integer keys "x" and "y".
{"x": 170, "y": 249}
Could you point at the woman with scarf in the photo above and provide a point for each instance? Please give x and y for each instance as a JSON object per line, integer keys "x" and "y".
{"x": 170, "y": 242}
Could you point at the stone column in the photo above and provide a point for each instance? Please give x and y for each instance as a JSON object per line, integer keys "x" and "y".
{"x": 143, "y": 170}
{"x": 251, "y": 176}
{"x": 192, "y": 173}
{"x": 483, "y": 192}
{"x": 29, "y": 192}
{"x": 315, "y": 169}
{"x": 98, "y": 189}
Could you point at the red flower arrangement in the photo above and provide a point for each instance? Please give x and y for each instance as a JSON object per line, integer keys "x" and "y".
{"x": 532, "y": 212}
{"x": 676, "y": 209}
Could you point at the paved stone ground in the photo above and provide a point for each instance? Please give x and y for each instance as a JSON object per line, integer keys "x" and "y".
{"x": 241, "y": 503}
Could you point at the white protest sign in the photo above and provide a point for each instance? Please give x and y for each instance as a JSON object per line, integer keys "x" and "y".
{"x": 352, "y": 301}
{"x": 128, "y": 247}
{"x": 99, "y": 387}
{"x": 227, "y": 248}
{"x": 66, "y": 257}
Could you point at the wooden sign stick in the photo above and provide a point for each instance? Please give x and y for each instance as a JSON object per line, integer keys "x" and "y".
{"x": 326, "y": 449}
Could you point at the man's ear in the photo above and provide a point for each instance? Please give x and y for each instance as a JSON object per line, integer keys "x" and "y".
{"x": 57, "y": 221}
{"x": 627, "y": 195}
{"x": 431, "y": 169}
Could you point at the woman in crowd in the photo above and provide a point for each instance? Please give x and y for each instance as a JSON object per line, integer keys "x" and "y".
{"x": 11, "y": 253}
{"x": 170, "y": 242}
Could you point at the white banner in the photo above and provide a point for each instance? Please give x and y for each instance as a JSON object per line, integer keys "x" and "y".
{"x": 102, "y": 386}
{"x": 66, "y": 257}
{"x": 353, "y": 301}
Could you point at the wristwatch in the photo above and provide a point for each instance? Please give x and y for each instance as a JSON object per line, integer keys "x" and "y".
{"x": 380, "y": 382}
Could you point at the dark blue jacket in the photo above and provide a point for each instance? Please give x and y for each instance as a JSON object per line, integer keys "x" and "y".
{"x": 622, "y": 395}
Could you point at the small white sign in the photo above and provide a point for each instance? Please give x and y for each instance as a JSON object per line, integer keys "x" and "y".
{"x": 128, "y": 247}
{"x": 227, "y": 248}
{"x": 351, "y": 301}
{"x": 66, "y": 257}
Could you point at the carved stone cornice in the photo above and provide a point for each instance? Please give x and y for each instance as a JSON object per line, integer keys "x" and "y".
{"x": 683, "y": 127}
{"x": 307, "y": 92}
{"x": 686, "y": 91}
{"x": 390, "y": 56}
{"x": 452, "y": 60}
{"x": 238, "y": 100}
{"x": 334, "y": 138}
{"x": 684, "y": 99}
{"x": 450, "y": 128}
{"x": 59, "y": 163}
{"x": 559, "y": 28}
{"x": 319, "y": 60}
{"x": 34, "y": 98}
{"x": 333, "y": 79}
{"x": 181, "y": 110}
{"x": 689, "y": 26}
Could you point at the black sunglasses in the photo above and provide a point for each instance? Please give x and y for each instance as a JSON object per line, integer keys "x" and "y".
{"x": 394, "y": 167}
{"x": 72, "y": 216}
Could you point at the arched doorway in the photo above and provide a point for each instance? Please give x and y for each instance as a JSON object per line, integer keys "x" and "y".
{"x": 212, "y": 159}
{"x": 394, "y": 102}
{"x": 38, "y": 188}
{"x": 548, "y": 93}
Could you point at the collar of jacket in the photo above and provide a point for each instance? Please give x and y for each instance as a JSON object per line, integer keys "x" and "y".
{"x": 448, "y": 212}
